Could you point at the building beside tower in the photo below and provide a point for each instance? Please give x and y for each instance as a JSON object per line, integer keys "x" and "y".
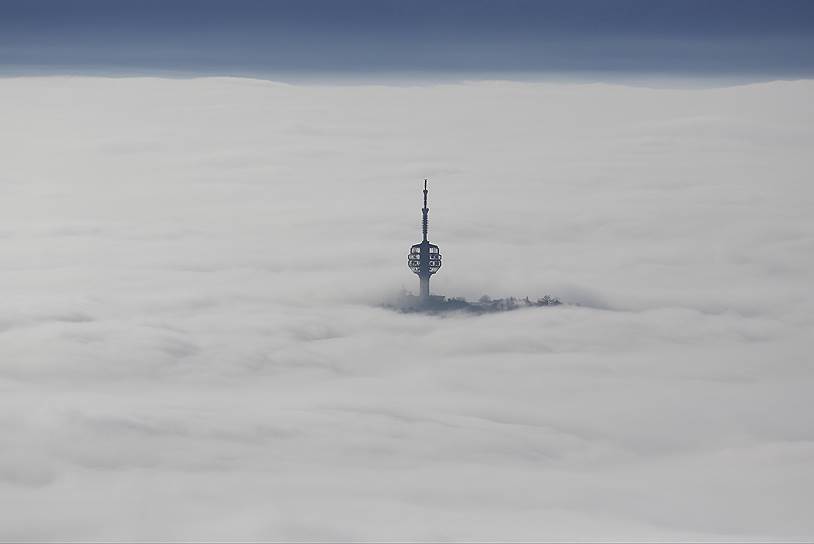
{"x": 424, "y": 258}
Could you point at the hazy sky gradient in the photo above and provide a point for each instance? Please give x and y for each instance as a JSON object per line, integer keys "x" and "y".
{"x": 744, "y": 40}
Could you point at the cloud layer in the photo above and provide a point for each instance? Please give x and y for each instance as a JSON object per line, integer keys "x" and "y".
{"x": 190, "y": 345}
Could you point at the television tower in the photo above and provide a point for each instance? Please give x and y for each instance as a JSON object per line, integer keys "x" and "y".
{"x": 424, "y": 258}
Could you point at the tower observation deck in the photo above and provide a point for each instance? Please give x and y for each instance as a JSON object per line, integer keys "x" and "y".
{"x": 424, "y": 258}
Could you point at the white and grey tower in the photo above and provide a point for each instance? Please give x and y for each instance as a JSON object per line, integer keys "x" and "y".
{"x": 424, "y": 258}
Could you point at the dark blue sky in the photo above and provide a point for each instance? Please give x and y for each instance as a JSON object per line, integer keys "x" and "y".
{"x": 456, "y": 38}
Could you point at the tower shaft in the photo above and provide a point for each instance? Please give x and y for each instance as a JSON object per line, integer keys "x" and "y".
{"x": 424, "y": 292}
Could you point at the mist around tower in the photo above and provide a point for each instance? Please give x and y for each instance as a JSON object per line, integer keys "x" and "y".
{"x": 424, "y": 260}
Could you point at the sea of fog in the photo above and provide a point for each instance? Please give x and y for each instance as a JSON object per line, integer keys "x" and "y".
{"x": 192, "y": 344}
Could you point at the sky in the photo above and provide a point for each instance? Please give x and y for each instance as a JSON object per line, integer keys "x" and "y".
{"x": 205, "y": 207}
{"x": 730, "y": 40}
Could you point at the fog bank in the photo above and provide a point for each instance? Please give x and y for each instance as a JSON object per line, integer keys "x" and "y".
{"x": 191, "y": 348}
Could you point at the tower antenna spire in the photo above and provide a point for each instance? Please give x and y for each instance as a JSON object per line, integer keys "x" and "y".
{"x": 424, "y": 211}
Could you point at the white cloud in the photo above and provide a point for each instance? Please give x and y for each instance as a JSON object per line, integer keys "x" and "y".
{"x": 190, "y": 348}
